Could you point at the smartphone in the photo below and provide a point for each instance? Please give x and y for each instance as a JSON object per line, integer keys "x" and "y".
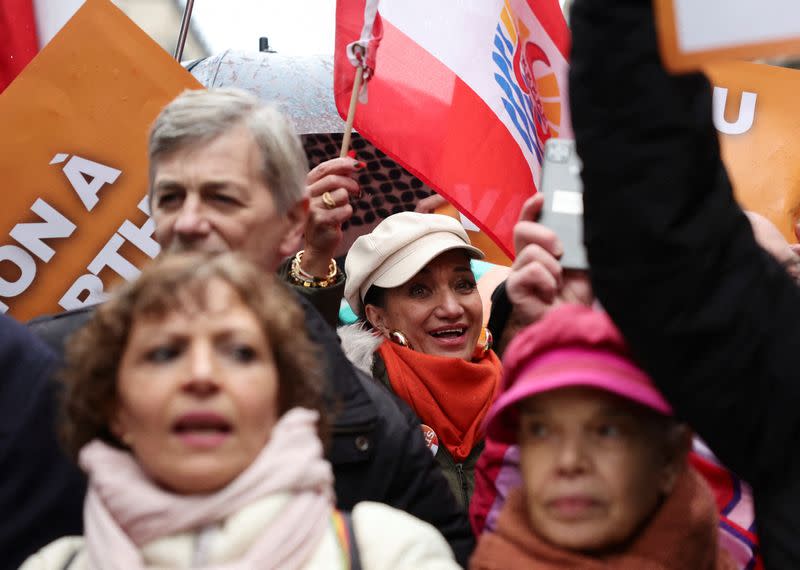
{"x": 562, "y": 188}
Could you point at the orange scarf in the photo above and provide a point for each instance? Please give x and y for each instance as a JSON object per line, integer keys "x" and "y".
{"x": 449, "y": 394}
{"x": 682, "y": 534}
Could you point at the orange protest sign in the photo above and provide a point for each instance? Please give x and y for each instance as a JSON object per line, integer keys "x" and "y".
{"x": 755, "y": 111}
{"x": 693, "y": 33}
{"x": 73, "y": 157}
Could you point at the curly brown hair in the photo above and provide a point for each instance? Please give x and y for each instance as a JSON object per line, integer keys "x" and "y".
{"x": 173, "y": 283}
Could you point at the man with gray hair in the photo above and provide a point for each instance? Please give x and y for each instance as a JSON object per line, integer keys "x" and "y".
{"x": 228, "y": 173}
{"x": 257, "y": 195}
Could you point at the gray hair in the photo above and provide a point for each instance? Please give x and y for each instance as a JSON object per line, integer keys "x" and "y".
{"x": 198, "y": 116}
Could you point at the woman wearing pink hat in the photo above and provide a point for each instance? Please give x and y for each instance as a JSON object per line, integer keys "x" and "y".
{"x": 605, "y": 478}
{"x": 421, "y": 332}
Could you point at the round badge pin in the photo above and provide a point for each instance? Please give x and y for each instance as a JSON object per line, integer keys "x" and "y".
{"x": 431, "y": 439}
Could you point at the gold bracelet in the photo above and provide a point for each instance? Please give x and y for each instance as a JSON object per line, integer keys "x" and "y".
{"x": 304, "y": 279}
{"x": 333, "y": 270}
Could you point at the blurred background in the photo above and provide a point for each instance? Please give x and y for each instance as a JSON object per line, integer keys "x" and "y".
{"x": 302, "y": 27}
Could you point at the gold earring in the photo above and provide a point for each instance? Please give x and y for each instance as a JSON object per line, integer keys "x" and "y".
{"x": 127, "y": 439}
{"x": 484, "y": 344}
{"x": 399, "y": 338}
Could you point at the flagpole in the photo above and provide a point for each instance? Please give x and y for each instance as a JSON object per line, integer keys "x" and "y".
{"x": 351, "y": 112}
{"x": 187, "y": 17}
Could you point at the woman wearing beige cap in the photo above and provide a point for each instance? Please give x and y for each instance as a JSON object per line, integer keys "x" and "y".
{"x": 421, "y": 333}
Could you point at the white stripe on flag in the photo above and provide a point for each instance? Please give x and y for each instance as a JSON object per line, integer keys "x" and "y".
{"x": 462, "y": 37}
{"x": 370, "y": 11}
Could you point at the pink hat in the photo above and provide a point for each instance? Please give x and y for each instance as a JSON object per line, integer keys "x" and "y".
{"x": 572, "y": 345}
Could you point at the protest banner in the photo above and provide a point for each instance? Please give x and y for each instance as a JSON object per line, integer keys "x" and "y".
{"x": 693, "y": 33}
{"x": 755, "y": 111}
{"x": 73, "y": 158}
{"x": 463, "y": 95}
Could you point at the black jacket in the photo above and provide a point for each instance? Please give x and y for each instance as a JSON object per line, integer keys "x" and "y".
{"x": 377, "y": 449}
{"x": 41, "y": 490}
{"x": 712, "y": 317}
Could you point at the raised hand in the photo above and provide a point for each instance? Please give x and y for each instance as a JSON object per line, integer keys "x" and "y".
{"x": 537, "y": 282}
{"x": 330, "y": 186}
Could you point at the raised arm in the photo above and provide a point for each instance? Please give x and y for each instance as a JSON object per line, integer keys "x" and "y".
{"x": 710, "y": 315}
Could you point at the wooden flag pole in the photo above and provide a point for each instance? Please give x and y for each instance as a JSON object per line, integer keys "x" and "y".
{"x": 351, "y": 112}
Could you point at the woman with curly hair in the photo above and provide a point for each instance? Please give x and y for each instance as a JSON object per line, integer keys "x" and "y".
{"x": 194, "y": 405}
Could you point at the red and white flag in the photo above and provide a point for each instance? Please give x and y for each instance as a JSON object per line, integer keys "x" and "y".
{"x": 464, "y": 95}
{"x": 18, "y": 40}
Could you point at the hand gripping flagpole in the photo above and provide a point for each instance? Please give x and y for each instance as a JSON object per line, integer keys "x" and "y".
{"x": 361, "y": 54}
{"x": 187, "y": 18}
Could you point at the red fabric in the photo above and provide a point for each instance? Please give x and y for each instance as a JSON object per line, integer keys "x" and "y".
{"x": 426, "y": 118}
{"x": 486, "y": 472}
{"x": 741, "y": 541}
{"x": 716, "y": 476}
{"x": 18, "y": 43}
{"x": 450, "y": 395}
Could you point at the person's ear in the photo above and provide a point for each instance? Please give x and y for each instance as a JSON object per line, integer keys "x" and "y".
{"x": 119, "y": 427}
{"x": 296, "y": 218}
{"x": 377, "y": 317}
{"x": 676, "y": 452}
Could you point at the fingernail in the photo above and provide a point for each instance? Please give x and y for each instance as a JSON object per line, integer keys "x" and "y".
{"x": 351, "y": 153}
{"x": 359, "y": 165}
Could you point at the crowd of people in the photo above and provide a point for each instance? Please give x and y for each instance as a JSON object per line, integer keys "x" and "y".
{"x": 213, "y": 413}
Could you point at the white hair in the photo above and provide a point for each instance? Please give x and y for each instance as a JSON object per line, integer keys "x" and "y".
{"x": 198, "y": 116}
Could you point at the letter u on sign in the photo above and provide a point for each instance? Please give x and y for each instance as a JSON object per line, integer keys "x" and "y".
{"x": 745, "y": 118}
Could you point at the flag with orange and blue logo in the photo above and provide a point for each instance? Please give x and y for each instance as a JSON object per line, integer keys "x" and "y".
{"x": 463, "y": 94}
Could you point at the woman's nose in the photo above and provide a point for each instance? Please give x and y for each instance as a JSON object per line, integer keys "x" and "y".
{"x": 449, "y": 306}
{"x": 572, "y": 458}
{"x": 201, "y": 377}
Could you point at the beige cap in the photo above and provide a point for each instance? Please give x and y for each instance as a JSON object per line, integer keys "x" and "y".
{"x": 397, "y": 249}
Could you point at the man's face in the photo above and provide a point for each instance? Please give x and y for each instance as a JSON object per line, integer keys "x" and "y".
{"x": 212, "y": 197}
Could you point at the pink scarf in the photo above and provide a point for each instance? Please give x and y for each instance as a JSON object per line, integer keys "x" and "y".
{"x": 125, "y": 510}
